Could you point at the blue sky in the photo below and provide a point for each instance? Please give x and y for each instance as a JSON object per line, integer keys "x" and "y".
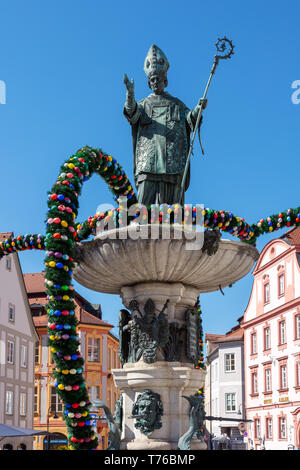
{"x": 63, "y": 64}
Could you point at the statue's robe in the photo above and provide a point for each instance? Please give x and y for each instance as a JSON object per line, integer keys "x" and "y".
{"x": 161, "y": 126}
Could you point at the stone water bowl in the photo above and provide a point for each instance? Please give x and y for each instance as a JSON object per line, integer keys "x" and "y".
{"x": 138, "y": 254}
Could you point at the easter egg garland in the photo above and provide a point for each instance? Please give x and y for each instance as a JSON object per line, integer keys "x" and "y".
{"x": 62, "y": 232}
{"x": 59, "y": 262}
{"x": 224, "y": 220}
{"x": 200, "y": 364}
{"x": 22, "y": 243}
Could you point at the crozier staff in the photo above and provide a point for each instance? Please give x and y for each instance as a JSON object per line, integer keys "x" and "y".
{"x": 161, "y": 126}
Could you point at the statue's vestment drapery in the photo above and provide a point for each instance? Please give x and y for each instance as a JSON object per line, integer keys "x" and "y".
{"x": 161, "y": 126}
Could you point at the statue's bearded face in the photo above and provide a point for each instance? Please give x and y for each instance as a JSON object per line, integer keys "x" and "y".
{"x": 157, "y": 83}
{"x": 147, "y": 408}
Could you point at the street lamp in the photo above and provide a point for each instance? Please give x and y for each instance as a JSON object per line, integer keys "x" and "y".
{"x": 48, "y": 418}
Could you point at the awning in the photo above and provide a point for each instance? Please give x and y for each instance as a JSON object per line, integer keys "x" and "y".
{"x": 221, "y": 439}
{"x": 14, "y": 431}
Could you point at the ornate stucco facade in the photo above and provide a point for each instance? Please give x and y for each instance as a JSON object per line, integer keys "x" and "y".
{"x": 272, "y": 346}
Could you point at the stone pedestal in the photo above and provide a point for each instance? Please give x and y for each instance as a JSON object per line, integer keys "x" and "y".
{"x": 170, "y": 380}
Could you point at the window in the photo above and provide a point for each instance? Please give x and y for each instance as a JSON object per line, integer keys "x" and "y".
{"x": 268, "y": 383}
{"x": 230, "y": 402}
{"x": 10, "y": 352}
{"x": 56, "y": 405}
{"x": 93, "y": 392}
{"x": 229, "y": 362}
{"x": 36, "y": 394}
{"x": 114, "y": 359}
{"x": 298, "y": 373}
{"x": 281, "y": 284}
{"x": 283, "y": 376}
{"x": 266, "y": 292}
{"x": 269, "y": 428}
{"x": 254, "y": 383}
{"x": 297, "y": 326}
{"x": 23, "y": 355}
{"x": 93, "y": 349}
{"x": 257, "y": 428}
{"x": 267, "y": 338}
{"x": 9, "y": 402}
{"x": 11, "y": 312}
{"x": 23, "y": 404}
{"x": 37, "y": 352}
{"x": 253, "y": 343}
{"x": 37, "y": 312}
{"x": 8, "y": 263}
{"x": 282, "y": 428}
{"x": 109, "y": 399}
{"x": 109, "y": 358}
{"x": 282, "y": 335}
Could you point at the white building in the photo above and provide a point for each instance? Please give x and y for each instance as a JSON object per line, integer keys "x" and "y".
{"x": 224, "y": 387}
{"x": 272, "y": 346}
{"x": 17, "y": 340}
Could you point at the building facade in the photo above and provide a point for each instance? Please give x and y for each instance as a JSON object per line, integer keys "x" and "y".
{"x": 271, "y": 326}
{"x": 224, "y": 388}
{"x": 17, "y": 340}
{"x": 99, "y": 349}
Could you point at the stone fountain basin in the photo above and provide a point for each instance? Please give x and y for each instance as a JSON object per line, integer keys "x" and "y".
{"x": 121, "y": 257}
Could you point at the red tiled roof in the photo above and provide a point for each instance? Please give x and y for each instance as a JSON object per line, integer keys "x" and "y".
{"x": 234, "y": 336}
{"x": 293, "y": 236}
{"x": 5, "y": 235}
{"x": 38, "y": 300}
{"x": 34, "y": 283}
{"x": 40, "y": 321}
{"x": 86, "y": 317}
{"x": 210, "y": 337}
{"x": 231, "y": 336}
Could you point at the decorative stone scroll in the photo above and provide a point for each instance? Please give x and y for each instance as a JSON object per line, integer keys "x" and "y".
{"x": 197, "y": 415}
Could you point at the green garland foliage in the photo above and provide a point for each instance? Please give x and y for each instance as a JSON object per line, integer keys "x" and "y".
{"x": 62, "y": 232}
{"x": 200, "y": 364}
{"x": 59, "y": 262}
{"x": 22, "y": 243}
{"x": 224, "y": 220}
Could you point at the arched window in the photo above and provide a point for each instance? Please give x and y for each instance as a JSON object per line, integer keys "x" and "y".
{"x": 7, "y": 447}
{"x": 22, "y": 446}
{"x": 56, "y": 440}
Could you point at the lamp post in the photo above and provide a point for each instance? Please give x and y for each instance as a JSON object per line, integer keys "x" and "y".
{"x": 48, "y": 419}
{"x": 96, "y": 415}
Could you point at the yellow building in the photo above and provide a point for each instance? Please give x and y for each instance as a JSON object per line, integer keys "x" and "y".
{"x": 99, "y": 349}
